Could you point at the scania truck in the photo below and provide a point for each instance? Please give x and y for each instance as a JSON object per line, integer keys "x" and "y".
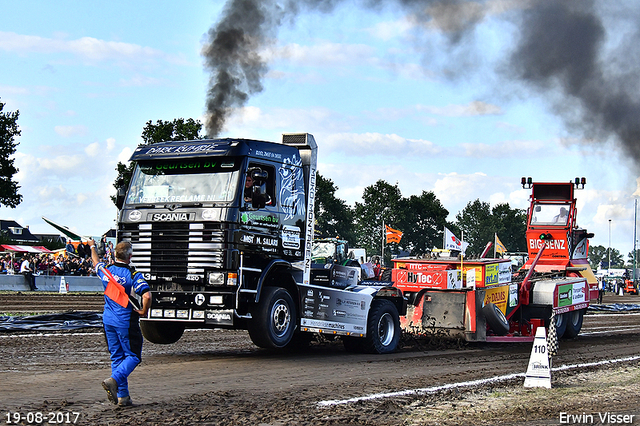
{"x": 222, "y": 230}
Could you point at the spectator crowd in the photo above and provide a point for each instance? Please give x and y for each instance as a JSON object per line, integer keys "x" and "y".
{"x": 75, "y": 260}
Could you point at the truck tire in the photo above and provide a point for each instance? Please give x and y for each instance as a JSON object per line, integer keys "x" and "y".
{"x": 162, "y": 332}
{"x": 574, "y": 323}
{"x": 273, "y": 320}
{"x": 383, "y": 328}
{"x": 561, "y": 325}
{"x": 496, "y": 319}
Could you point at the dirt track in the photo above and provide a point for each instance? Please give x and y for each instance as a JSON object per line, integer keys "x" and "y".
{"x": 219, "y": 377}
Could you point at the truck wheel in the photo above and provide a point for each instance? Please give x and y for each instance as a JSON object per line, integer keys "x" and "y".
{"x": 561, "y": 324}
{"x": 496, "y": 319}
{"x": 383, "y": 328}
{"x": 274, "y": 319}
{"x": 162, "y": 332}
{"x": 574, "y": 323}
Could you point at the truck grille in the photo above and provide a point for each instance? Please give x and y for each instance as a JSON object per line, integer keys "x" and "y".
{"x": 175, "y": 249}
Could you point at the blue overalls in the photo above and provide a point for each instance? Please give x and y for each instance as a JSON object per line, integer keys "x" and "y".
{"x": 121, "y": 327}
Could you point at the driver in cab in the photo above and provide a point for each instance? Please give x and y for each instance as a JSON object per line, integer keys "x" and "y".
{"x": 254, "y": 193}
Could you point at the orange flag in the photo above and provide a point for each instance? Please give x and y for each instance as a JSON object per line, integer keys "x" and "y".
{"x": 393, "y": 235}
{"x": 115, "y": 290}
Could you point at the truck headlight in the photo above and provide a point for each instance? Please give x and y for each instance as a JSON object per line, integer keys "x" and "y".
{"x": 216, "y": 278}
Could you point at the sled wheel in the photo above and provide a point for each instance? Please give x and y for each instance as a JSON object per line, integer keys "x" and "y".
{"x": 496, "y": 319}
{"x": 574, "y": 323}
{"x": 561, "y": 324}
{"x": 162, "y": 332}
{"x": 274, "y": 319}
{"x": 383, "y": 328}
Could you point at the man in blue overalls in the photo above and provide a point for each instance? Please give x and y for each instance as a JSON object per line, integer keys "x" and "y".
{"x": 120, "y": 319}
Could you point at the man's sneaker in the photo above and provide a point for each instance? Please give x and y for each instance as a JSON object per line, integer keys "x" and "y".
{"x": 125, "y": 401}
{"x": 111, "y": 387}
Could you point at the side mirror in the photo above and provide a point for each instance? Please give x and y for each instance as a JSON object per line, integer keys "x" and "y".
{"x": 120, "y": 197}
{"x": 259, "y": 199}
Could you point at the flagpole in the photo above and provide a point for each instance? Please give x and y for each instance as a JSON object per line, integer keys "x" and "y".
{"x": 384, "y": 234}
{"x": 462, "y": 252}
{"x": 495, "y": 243}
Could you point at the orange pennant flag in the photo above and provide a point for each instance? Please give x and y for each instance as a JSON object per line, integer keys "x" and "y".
{"x": 393, "y": 235}
{"x": 115, "y": 291}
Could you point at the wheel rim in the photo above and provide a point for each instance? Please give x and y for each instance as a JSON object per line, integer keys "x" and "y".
{"x": 280, "y": 317}
{"x": 575, "y": 318}
{"x": 386, "y": 329}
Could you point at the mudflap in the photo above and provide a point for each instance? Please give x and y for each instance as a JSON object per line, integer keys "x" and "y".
{"x": 447, "y": 313}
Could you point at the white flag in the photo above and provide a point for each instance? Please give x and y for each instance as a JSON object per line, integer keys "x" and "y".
{"x": 452, "y": 242}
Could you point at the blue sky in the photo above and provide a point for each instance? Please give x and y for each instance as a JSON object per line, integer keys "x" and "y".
{"x": 384, "y": 97}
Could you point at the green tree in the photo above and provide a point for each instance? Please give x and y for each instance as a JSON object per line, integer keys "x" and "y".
{"x": 381, "y": 205}
{"x": 480, "y": 224}
{"x": 177, "y": 130}
{"x": 422, "y": 220}
{"x": 334, "y": 218}
{"x": 599, "y": 257}
{"x": 476, "y": 223}
{"x": 630, "y": 258}
{"x": 597, "y": 254}
{"x": 511, "y": 226}
{"x": 9, "y": 196}
{"x": 617, "y": 260}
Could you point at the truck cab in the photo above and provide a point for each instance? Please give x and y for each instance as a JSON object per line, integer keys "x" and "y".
{"x": 222, "y": 230}
{"x": 552, "y": 222}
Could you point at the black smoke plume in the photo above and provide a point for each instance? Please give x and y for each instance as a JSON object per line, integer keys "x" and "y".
{"x": 232, "y": 53}
{"x": 591, "y": 77}
{"x": 563, "y": 54}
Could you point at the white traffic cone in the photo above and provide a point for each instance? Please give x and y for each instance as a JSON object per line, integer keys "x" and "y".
{"x": 539, "y": 370}
{"x": 64, "y": 287}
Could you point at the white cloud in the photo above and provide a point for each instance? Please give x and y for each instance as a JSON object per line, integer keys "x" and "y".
{"x": 367, "y": 144}
{"x": 124, "y": 155}
{"x": 388, "y": 30}
{"x": 249, "y": 120}
{"x": 13, "y": 90}
{"x": 323, "y": 55}
{"x": 88, "y": 49}
{"x": 471, "y": 109}
{"x": 452, "y": 187}
{"x": 69, "y": 131}
{"x": 502, "y": 149}
{"x": 93, "y": 149}
{"x": 142, "y": 81}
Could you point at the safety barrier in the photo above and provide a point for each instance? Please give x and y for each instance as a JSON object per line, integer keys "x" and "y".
{"x": 50, "y": 283}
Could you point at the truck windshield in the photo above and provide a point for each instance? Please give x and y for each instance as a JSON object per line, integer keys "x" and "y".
{"x": 550, "y": 214}
{"x": 183, "y": 181}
